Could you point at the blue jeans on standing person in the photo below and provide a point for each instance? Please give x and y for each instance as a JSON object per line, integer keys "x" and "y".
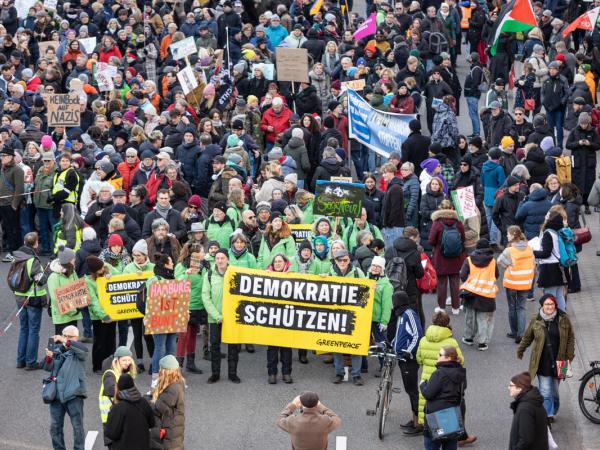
{"x": 46, "y": 221}
{"x": 27, "y": 214}
{"x": 556, "y": 119}
{"x": 559, "y": 293}
{"x": 430, "y": 444}
{"x": 74, "y": 408}
{"x": 517, "y": 311}
{"x": 164, "y": 344}
{"x": 473, "y": 104}
{"x": 548, "y": 387}
{"x": 491, "y": 225}
{"x": 338, "y": 362}
{"x": 29, "y": 335}
{"x": 86, "y": 320}
{"x": 390, "y": 234}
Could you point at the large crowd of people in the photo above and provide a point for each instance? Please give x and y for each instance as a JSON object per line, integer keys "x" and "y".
{"x": 153, "y": 179}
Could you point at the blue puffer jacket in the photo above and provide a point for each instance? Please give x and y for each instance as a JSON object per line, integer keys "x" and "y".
{"x": 532, "y": 211}
{"x": 492, "y": 177}
{"x": 412, "y": 191}
{"x": 187, "y": 155}
{"x": 67, "y": 365}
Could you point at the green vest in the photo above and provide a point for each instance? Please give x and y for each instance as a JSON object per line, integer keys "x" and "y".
{"x": 105, "y": 402}
{"x": 59, "y": 185}
{"x": 34, "y": 290}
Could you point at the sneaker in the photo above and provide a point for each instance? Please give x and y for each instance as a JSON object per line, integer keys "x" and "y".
{"x": 213, "y": 379}
{"x": 358, "y": 381}
{"x": 272, "y": 379}
{"x": 482, "y": 347}
{"x": 34, "y": 366}
{"x": 437, "y": 309}
{"x": 8, "y": 258}
{"x": 413, "y": 431}
{"x": 448, "y": 301}
{"x": 20, "y": 365}
{"x": 250, "y": 348}
{"x": 510, "y": 335}
{"x": 469, "y": 440}
{"x": 409, "y": 424}
{"x": 141, "y": 368}
{"x": 338, "y": 379}
{"x": 455, "y": 311}
{"x": 531, "y": 299}
{"x": 234, "y": 378}
{"x": 467, "y": 341}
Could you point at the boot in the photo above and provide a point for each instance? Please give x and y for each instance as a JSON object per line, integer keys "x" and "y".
{"x": 179, "y": 360}
{"x": 250, "y": 348}
{"x": 302, "y": 356}
{"x": 190, "y": 365}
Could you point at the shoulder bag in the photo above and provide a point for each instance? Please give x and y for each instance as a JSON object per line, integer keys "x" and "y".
{"x": 446, "y": 424}
{"x": 582, "y": 235}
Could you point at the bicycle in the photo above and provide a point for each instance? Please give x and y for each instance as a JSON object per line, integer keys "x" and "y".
{"x": 384, "y": 390}
{"x": 589, "y": 393}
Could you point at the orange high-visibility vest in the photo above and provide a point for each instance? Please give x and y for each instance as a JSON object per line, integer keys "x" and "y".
{"x": 519, "y": 275}
{"x": 466, "y": 16}
{"x": 482, "y": 280}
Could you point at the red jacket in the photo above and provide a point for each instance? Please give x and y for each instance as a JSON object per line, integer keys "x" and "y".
{"x": 402, "y": 105}
{"x": 33, "y": 84}
{"x": 127, "y": 171}
{"x": 341, "y": 124}
{"x": 280, "y": 122}
{"x": 442, "y": 264}
{"x": 106, "y": 54}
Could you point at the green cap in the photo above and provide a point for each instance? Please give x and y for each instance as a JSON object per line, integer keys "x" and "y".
{"x": 122, "y": 351}
{"x": 168, "y": 362}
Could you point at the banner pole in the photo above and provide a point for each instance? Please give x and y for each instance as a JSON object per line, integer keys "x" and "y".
{"x": 227, "y": 47}
{"x": 294, "y": 92}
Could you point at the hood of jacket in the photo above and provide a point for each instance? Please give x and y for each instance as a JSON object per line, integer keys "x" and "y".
{"x": 489, "y": 166}
{"x": 331, "y": 165}
{"x": 130, "y": 395}
{"x": 92, "y": 246}
{"x": 453, "y": 371}
{"x": 23, "y": 254}
{"x": 363, "y": 252}
{"x": 444, "y": 214}
{"x": 405, "y": 245}
{"x": 532, "y": 396}
{"x": 536, "y": 155}
{"x": 435, "y": 333}
{"x": 482, "y": 257}
{"x": 538, "y": 195}
{"x": 296, "y": 143}
{"x": 395, "y": 181}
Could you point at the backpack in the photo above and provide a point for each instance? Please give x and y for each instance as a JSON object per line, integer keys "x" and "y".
{"x": 18, "y": 279}
{"x": 563, "y": 168}
{"x": 451, "y": 243}
{"x": 395, "y": 270}
{"x": 437, "y": 43}
{"x": 566, "y": 247}
{"x": 428, "y": 282}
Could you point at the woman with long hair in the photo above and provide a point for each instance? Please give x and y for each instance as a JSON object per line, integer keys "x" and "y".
{"x": 239, "y": 251}
{"x": 121, "y": 364}
{"x": 277, "y": 238}
{"x": 236, "y": 205}
{"x": 67, "y": 231}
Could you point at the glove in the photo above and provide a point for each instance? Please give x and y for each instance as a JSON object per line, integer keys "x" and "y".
{"x": 407, "y": 356}
{"x": 382, "y": 328}
{"x": 106, "y": 319}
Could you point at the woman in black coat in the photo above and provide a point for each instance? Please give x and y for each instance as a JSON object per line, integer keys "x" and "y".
{"x": 430, "y": 202}
{"x": 470, "y": 176}
{"x": 570, "y": 199}
{"x": 373, "y": 200}
{"x": 130, "y": 419}
{"x": 530, "y": 423}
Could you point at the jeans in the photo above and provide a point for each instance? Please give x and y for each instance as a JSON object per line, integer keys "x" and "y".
{"x": 559, "y": 293}
{"x": 46, "y": 220}
{"x": 164, "y": 344}
{"x": 338, "y": 362}
{"x": 391, "y": 234}
{"x": 548, "y": 387}
{"x": 479, "y": 325}
{"x": 517, "y": 311}
{"x": 87, "y": 323}
{"x": 429, "y": 444}
{"x": 29, "y": 335}
{"x": 491, "y": 225}
{"x": 378, "y": 335}
{"x": 556, "y": 119}
{"x": 276, "y": 354}
{"x": 27, "y": 214}
{"x": 233, "y": 351}
{"x": 74, "y": 408}
{"x": 473, "y": 104}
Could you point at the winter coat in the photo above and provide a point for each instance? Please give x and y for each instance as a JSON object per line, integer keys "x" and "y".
{"x": 572, "y": 207}
{"x": 594, "y": 197}
{"x": 308, "y": 102}
{"x": 555, "y": 93}
{"x": 412, "y": 190}
{"x": 435, "y": 338}
{"x": 535, "y": 336}
{"x": 187, "y": 155}
{"x": 508, "y": 161}
{"x": 498, "y": 127}
{"x": 364, "y": 255}
{"x": 176, "y": 225}
{"x": 521, "y": 129}
{"x": 129, "y": 421}
{"x": 532, "y": 212}
{"x": 584, "y": 156}
{"x": 430, "y": 203}
{"x": 393, "y": 205}
{"x": 372, "y": 203}
{"x": 478, "y": 159}
{"x": 266, "y": 252}
{"x": 492, "y": 178}
{"x": 88, "y": 248}
{"x": 480, "y": 258}
{"x": 415, "y": 149}
{"x": 242, "y": 153}
{"x": 550, "y": 272}
{"x": 297, "y": 150}
{"x": 43, "y": 189}
{"x": 68, "y": 366}
{"x": 266, "y": 190}
{"x": 322, "y": 86}
{"x": 11, "y": 185}
{"x": 407, "y": 249}
{"x": 529, "y": 429}
{"x": 219, "y": 187}
{"x": 351, "y": 233}
{"x": 204, "y": 168}
{"x": 402, "y": 104}
{"x": 442, "y": 264}
{"x": 169, "y": 412}
{"x": 539, "y": 133}
{"x": 309, "y": 429}
{"x": 128, "y": 171}
{"x": 537, "y": 166}
{"x": 280, "y": 122}
{"x": 58, "y": 279}
{"x": 505, "y": 209}
{"x": 219, "y": 231}
{"x": 445, "y": 388}
{"x": 328, "y": 167}
{"x": 445, "y": 127}
{"x": 382, "y": 305}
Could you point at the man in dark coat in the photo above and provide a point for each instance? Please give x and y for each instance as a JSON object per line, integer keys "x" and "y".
{"x": 415, "y": 147}
{"x": 505, "y": 206}
{"x": 521, "y": 128}
{"x": 307, "y": 100}
{"x": 499, "y": 125}
{"x": 530, "y": 422}
{"x": 393, "y": 205}
{"x": 532, "y": 211}
{"x": 535, "y": 161}
{"x": 540, "y": 130}
{"x": 164, "y": 210}
{"x": 230, "y": 19}
{"x": 314, "y": 45}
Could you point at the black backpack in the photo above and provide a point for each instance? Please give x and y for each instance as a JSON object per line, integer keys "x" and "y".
{"x": 451, "y": 243}
{"x": 395, "y": 270}
{"x": 437, "y": 43}
{"x": 18, "y": 279}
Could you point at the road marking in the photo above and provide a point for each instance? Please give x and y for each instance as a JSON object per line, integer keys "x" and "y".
{"x": 90, "y": 439}
{"x": 341, "y": 442}
{"x": 129, "y": 337}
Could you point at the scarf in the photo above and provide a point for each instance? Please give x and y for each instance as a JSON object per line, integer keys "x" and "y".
{"x": 372, "y": 276}
{"x": 163, "y": 212}
{"x": 546, "y": 317}
{"x": 163, "y": 272}
{"x": 238, "y": 253}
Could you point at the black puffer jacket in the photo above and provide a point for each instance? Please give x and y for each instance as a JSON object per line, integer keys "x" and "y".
{"x": 505, "y": 210}
{"x": 537, "y": 166}
{"x": 129, "y": 421}
{"x": 88, "y": 248}
{"x": 308, "y": 102}
{"x": 539, "y": 133}
{"x": 530, "y": 423}
{"x": 169, "y": 411}
{"x": 414, "y": 149}
{"x": 430, "y": 202}
{"x": 329, "y": 167}
{"x": 372, "y": 203}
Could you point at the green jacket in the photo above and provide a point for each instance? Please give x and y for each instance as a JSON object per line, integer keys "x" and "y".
{"x": 246, "y": 260}
{"x": 286, "y": 246}
{"x": 435, "y": 338}
{"x": 353, "y": 272}
{"x": 352, "y": 231}
{"x": 310, "y": 267}
{"x": 56, "y": 280}
{"x": 536, "y": 337}
{"x": 196, "y": 287}
{"x": 321, "y": 266}
{"x": 96, "y": 311}
{"x": 133, "y": 268}
{"x": 219, "y": 232}
{"x": 382, "y": 307}
{"x": 42, "y": 182}
{"x": 212, "y": 295}
{"x": 308, "y": 215}
{"x": 235, "y": 214}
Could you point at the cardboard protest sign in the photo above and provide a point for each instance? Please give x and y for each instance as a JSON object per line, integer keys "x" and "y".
{"x": 331, "y": 314}
{"x": 292, "y": 64}
{"x": 167, "y": 307}
{"x": 183, "y": 48}
{"x": 50, "y": 4}
{"x": 187, "y": 79}
{"x": 72, "y": 296}
{"x": 63, "y": 110}
{"x": 339, "y": 199}
{"x": 43, "y": 46}
{"x": 118, "y": 295}
{"x": 301, "y": 232}
{"x": 356, "y": 85}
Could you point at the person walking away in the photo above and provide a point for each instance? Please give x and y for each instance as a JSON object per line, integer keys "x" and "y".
{"x": 555, "y": 96}
{"x": 550, "y": 335}
{"x": 506, "y": 205}
{"x": 65, "y": 361}
{"x": 518, "y": 263}
{"x": 529, "y": 428}
{"x": 308, "y": 422}
{"x": 472, "y": 92}
{"x": 130, "y": 419}
{"x": 444, "y": 389}
{"x": 168, "y": 405}
{"x": 479, "y": 273}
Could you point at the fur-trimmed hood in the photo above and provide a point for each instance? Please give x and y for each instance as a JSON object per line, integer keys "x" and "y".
{"x": 444, "y": 214}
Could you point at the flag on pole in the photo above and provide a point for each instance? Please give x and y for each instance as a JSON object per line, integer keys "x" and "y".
{"x": 586, "y": 21}
{"x": 316, "y": 7}
{"x": 514, "y": 17}
{"x": 368, "y": 28}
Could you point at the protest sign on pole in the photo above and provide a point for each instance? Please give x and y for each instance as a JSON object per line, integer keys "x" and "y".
{"x": 63, "y": 110}
{"x": 183, "y": 48}
{"x": 104, "y": 74}
{"x": 382, "y": 132}
{"x": 118, "y": 295}
{"x": 464, "y": 202}
{"x": 167, "y": 307}
{"x": 338, "y": 199}
{"x": 50, "y": 4}
{"x": 355, "y": 85}
{"x": 187, "y": 80}
{"x": 292, "y": 64}
{"x": 72, "y": 296}
{"x": 300, "y": 232}
{"x": 88, "y": 44}
{"x": 328, "y": 314}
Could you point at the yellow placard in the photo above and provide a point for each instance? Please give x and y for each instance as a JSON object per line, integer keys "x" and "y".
{"x": 301, "y": 232}
{"x": 328, "y": 314}
{"x": 117, "y": 295}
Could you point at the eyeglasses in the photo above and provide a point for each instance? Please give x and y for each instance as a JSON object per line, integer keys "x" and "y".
{"x": 69, "y": 336}
{"x": 192, "y": 206}
{"x": 549, "y": 304}
{"x": 343, "y": 260}
{"x": 518, "y": 114}
{"x": 463, "y": 164}
{"x": 130, "y": 156}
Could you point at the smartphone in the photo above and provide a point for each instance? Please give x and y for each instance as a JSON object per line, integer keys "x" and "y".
{"x": 50, "y": 343}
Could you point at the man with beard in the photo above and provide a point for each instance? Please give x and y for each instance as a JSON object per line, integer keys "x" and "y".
{"x": 164, "y": 210}
{"x": 162, "y": 241}
{"x": 249, "y": 227}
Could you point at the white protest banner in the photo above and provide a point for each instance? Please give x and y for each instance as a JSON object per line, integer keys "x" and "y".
{"x": 88, "y": 44}
{"x": 268, "y": 70}
{"x": 183, "y": 48}
{"x": 50, "y": 4}
{"x": 356, "y": 85}
{"x": 466, "y": 199}
{"x": 187, "y": 79}
{"x": 104, "y": 74}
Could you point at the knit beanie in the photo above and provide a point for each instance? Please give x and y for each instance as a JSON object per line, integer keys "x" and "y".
{"x": 125, "y": 382}
{"x": 115, "y": 239}
{"x": 298, "y": 133}
{"x": 122, "y": 351}
{"x": 506, "y": 141}
{"x": 168, "y": 362}
{"x": 65, "y": 255}
{"x": 141, "y": 246}
{"x": 233, "y": 140}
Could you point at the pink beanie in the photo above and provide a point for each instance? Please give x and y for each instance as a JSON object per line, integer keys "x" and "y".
{"x": 46, "y": 142}
{"x": 129, "y": 116}
{"x": 209, "y": 89}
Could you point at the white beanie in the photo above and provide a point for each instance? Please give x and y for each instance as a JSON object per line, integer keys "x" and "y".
{"x": 378, "y": 261}
{"x": 141, "y": 246}
{"x": 88, "y": 234}
{"x": 292, "y": 178}
{"x": 298, "y": 133}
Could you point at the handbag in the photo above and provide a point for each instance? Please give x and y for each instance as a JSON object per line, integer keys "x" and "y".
{"x": 582, "y": 235}
{"x": 49, "y": 389}
{"x": 446, "y": 424}
{"x": 529, "y": 104}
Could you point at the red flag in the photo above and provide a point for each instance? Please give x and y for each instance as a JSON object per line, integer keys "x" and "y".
{"x": 586, "y": 21}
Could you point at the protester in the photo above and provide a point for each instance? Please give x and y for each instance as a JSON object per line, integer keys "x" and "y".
{"x": 530, "y": 423}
